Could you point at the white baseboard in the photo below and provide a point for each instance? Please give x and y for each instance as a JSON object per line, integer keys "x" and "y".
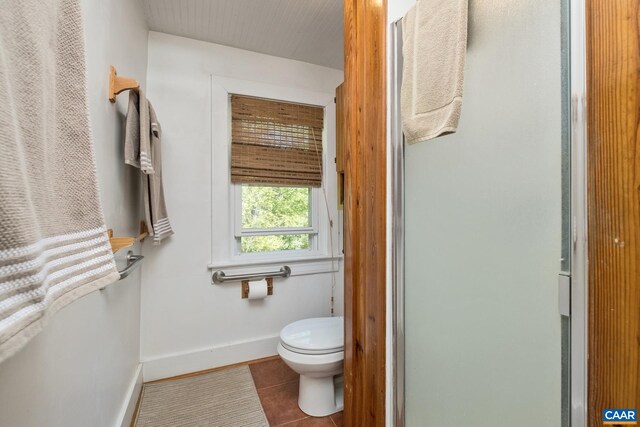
{"x": 200, "y": 360}
{"x": 131, "y": 399}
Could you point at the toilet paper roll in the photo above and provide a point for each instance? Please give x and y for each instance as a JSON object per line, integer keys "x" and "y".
{"x": 258, "y": 289}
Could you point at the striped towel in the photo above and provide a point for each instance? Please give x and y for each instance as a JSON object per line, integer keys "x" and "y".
{"x": 142, "y": 150}
{"x": 53, "y": 243}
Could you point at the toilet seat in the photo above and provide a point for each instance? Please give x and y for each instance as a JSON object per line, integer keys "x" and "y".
{"x": 311, "y": 352}
{"x": 310, "y": 359}
{"x": 323, "y": 335}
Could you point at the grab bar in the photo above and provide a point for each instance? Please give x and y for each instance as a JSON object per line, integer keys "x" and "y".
{"x": 132, "y": 263}
{"x": 219, "y": 277}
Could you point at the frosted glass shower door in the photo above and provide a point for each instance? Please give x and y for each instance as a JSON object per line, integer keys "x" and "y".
{"x": 483, "y": 234}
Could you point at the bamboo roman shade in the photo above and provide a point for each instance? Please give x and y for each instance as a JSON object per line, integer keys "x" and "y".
{"x": 275, "y": 143}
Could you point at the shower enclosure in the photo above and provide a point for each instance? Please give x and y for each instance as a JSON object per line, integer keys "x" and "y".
{"x": 488, "y": 273}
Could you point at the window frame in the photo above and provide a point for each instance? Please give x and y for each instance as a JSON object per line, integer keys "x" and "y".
{"x": 238, "y": 232}
{"x": 221, "y": 203}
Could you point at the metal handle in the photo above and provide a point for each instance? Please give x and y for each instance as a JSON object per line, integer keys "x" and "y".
{"x": 132, "y": 263}
{"x": 219, "y": 276}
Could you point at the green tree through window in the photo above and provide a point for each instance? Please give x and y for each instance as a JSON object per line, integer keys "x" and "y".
{"x": 276, "y": 208}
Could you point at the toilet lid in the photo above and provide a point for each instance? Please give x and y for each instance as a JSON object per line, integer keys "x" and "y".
{"x": 320, "y": 335}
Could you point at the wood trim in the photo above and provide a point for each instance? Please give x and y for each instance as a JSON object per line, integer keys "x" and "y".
{"x": 613, "y": 205}
{"x": 341, "y": 129}
{"x": 365, "y": 211}
{"x": 134, "y": 418}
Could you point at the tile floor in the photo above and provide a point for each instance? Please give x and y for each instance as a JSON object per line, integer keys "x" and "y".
{"x": 277, "y": 387}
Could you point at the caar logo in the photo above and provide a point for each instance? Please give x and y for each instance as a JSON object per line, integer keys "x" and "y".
{"x": 619, "y": 416}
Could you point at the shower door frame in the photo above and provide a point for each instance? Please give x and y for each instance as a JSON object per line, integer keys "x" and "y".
{"x": 579, "y": 266}
{"x": 397, "y": 228}
{"x": 579, "y": 273}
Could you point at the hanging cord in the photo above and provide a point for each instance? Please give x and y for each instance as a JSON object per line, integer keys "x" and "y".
{"x": 326, "y": 204}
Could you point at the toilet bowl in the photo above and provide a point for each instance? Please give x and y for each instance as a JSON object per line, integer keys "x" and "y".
{"x": 314, "y": 348}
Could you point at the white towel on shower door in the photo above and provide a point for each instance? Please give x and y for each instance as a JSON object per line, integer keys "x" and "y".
{"x": 434, "y": 48}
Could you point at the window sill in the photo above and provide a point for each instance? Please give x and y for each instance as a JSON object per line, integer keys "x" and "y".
{"x": 301, "y": 266}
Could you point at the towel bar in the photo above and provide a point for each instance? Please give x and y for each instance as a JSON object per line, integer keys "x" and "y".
{"x": 219, "y": 277}
{"x": 132, "y": 263}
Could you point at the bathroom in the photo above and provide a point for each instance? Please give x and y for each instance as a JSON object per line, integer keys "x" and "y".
{"x": 382, "y": 280}
{"x": 168, "y": 318}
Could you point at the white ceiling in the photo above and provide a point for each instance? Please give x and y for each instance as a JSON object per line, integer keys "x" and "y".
{"x": 306, "y": 30}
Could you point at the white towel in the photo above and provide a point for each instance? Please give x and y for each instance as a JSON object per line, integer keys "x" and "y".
{"x": 53, "y": 242}
{"x": 434, "y": 47}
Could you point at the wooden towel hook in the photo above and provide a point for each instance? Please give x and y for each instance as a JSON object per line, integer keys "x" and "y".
{"x": 118, "y": 243}
{"x": 120, "y": 84}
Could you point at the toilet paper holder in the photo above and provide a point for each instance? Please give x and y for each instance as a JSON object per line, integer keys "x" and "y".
{"x": 245, "y": 287}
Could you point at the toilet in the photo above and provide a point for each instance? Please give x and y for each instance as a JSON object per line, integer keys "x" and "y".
{"x": 314, "y": 348}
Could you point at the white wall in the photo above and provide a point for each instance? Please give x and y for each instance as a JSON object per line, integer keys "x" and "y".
{"x": 81, "y": 368}
{"x": 396, "y": 9}
{"x": 187, "y": 323}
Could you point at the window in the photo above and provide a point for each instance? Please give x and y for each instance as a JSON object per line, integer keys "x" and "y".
{"x": 275, "y": 219}
{"x": 276, "y": 168}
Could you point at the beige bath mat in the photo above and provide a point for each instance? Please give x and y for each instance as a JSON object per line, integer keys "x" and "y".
{"x": 221, "y": 398}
